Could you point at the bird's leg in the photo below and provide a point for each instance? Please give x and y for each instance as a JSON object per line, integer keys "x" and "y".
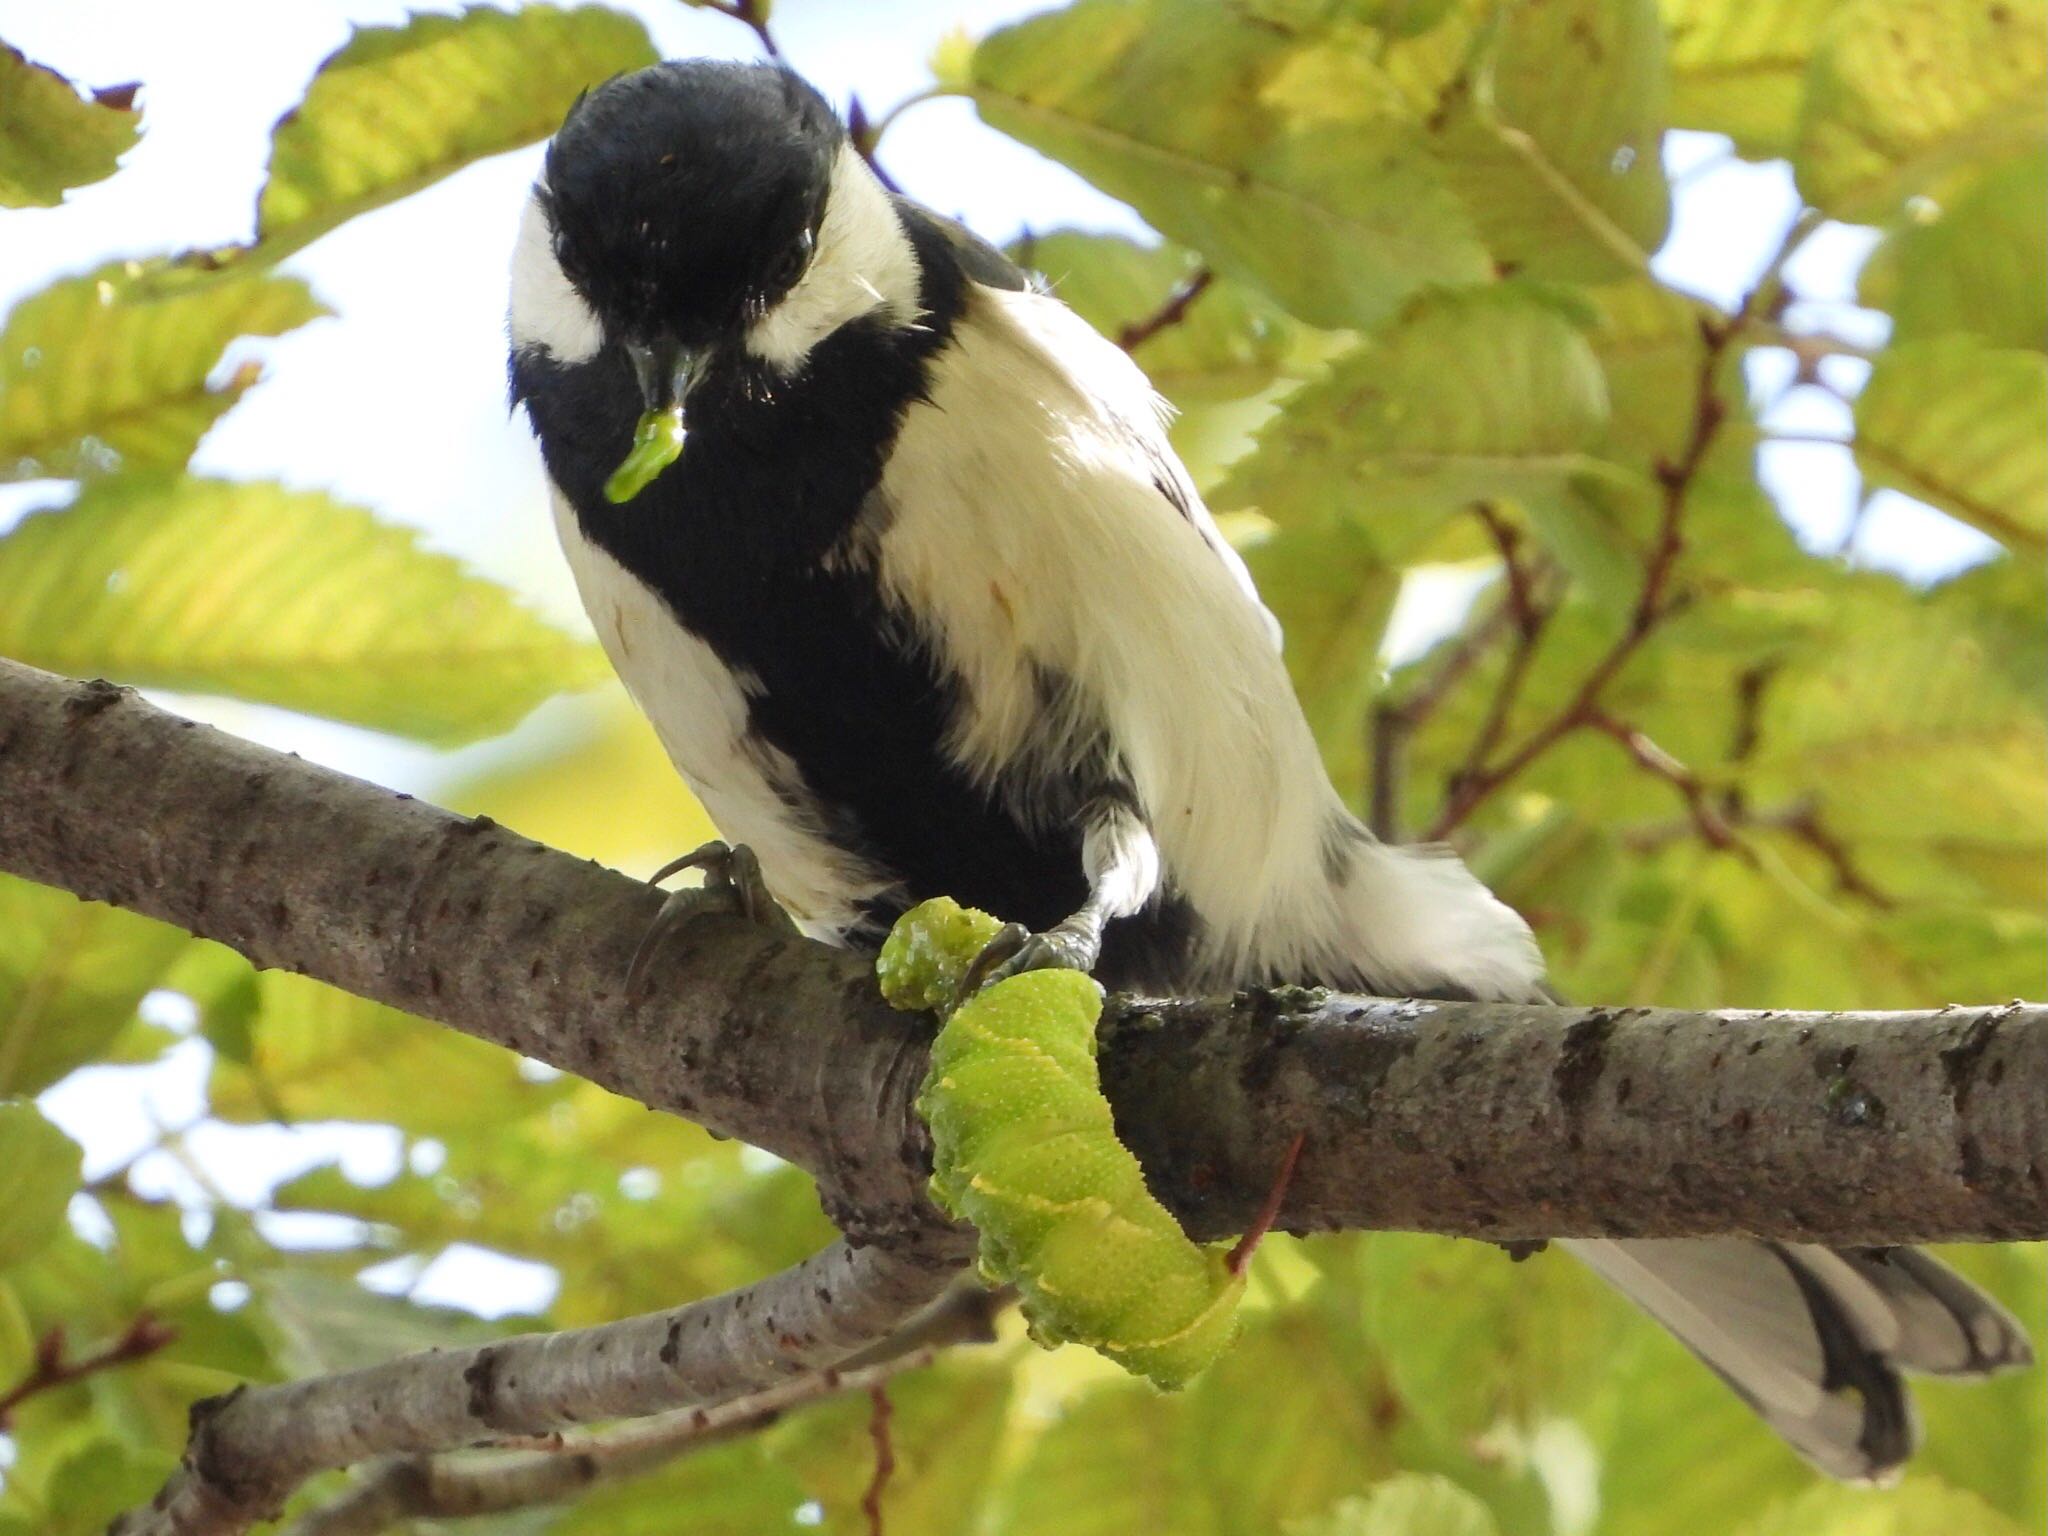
{"x": 1122, "y": 864}
{"x": 732, "y": 884}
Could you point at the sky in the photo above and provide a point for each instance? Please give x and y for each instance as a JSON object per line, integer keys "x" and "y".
{"x": 398, "y": 401}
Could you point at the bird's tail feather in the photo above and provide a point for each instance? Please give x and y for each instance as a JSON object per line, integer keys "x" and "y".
{"x": 1814, "y": 1339}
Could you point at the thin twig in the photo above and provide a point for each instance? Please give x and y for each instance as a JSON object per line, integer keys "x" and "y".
{"x": 140, "y": 1339}
{"x": 1653, "y": 603}
{"x": 881, "y": 1412}
{"x": 1653, "y": 759}
{"x": 1168, "y": 314}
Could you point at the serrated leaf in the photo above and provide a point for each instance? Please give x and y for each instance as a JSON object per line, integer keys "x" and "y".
{"x": 1905, "y": 92}
{"x": 398, "y": 108}
{"x": 1962, "y": 426}
{"x": 1469, "y": 395}
{"x": 39, "y": 1171}
{"x": 1290, "y": 163}
{"x": 53, "y": 139}
{"x": 111, "y": 370}
{"x": 1979, "y": 265}
{"x": 1409, "y": 1505}
{"x": 71, "y": 975}
{"x": 281, "y": 596}
{"x": 1741, "y": 69}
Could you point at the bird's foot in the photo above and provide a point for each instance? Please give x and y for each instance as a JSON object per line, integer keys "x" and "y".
{"x": 733, "y": 884}
{"x": 1073, "y": 945}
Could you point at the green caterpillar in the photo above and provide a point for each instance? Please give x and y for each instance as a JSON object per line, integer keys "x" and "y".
{"x": 657, "y": 443}
{"x": 1024, "y": 1148}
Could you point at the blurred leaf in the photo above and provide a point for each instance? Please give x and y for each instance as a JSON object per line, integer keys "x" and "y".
{"x": 326, "y": 1323}
{"x": 99, "y": 1482}
{"x": 568, "y": 794}
{"x": 1555, "y": 141}
{"x": 1960, "y": 425}
{"x": 1986, "y": 1436}
{"x": 1470, "y": 1338}
{"x": 1405, "y": 1506}
{"x": 634, "y": 1210}
{"x": 1332, "y": 587}
{"x": 39, "y": 1172}
{"x": 1290, "y": 163}
{"x": 53, "y": 139}
{"x": 1916, "y": 1508}
{"x": 945, "y": 1426}
{"x": 1103, "y": 1467}
{"x": 1485, "y": 393}
{"x": 735, "y": 1489}
{"x": 281, "y": 596}
{"x": 1230, "y": 342}
{"x": 319, "y": 1053}
{"x": 1741, "y": 69}
{"x": 71, "y": 975}
{"x": 1979, "y": 265}
{"x": 110, "y": 370}
{"x": 398, "y": 108}
{"x": 1903, "y": 93}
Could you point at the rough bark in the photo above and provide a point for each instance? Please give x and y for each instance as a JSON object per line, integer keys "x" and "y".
{"x": 1494, "y": 1121}
{"x": 1504, "y": 1122}
{"x": 251, "y": 1449}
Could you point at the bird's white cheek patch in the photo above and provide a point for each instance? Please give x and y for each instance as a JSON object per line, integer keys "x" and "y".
{"x": 864, "y": 263}
{"x": 546, "y": 311}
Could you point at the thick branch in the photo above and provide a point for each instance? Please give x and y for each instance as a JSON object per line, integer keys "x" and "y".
{"x": 1491, "y": 1121}
{"x": 251, "y": 1449}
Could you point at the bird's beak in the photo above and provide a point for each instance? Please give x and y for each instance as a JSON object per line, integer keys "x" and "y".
{"x": 665, "y": 370}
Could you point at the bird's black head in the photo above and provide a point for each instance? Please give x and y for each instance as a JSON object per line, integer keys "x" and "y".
{"x": 685, "y": 199}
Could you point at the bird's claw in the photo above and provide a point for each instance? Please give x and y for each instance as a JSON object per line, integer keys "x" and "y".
{"x": 733, "y": 884}
{"x": 1015, "y": 950}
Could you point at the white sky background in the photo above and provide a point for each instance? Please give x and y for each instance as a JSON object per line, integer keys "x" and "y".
{"x": 399, "y": 401}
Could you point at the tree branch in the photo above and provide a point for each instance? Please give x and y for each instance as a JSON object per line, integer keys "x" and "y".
{"x": 250, "y": 1449}
{"x": 1494, "y": 1121}
{"x": 446, "y": 1487}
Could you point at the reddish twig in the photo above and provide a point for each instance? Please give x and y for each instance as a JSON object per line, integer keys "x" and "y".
{"x": 865, "y": 134}
{"x": 1654, "y": 602}
{"x": 1169, "y": 314}
{"x": 142, "y": 1338}
{"x": 885, "y": 1456}
{"x": 1241, "y": 1255}
{"x": 1708, "y": 821}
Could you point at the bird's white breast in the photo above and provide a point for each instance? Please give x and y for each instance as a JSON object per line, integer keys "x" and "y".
{"x": 698, "y": 707}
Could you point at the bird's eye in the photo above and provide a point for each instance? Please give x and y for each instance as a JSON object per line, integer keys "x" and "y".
{"x": 790, "y": 265}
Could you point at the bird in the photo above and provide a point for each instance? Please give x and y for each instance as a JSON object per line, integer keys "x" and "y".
{"x": 927, "y": 605}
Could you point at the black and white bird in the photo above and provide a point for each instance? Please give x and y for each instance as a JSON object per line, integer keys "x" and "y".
{"x": 927, "y": 606}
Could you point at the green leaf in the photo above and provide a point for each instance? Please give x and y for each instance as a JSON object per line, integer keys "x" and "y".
{"x": 1290, "y": 163}
{"x": 1103, "y": 1467}
{"x": 1917, "y": 1508}
{"x": 280, "y": 596}
{"x": 1332, "y": 587}
{"x": 1986, "y": 1436}
{"x": 100, "y": 1481}
{"x": 1979, "y": 265}
{"x": 1741, "y": 69}
{"x": 1409, "y": 1505}
{"x": 318, "y": 1053}
{"x": 1469, "y": 395}
{"x": 110, "y": 370}
{"x": 398, "y": 108}
{"x": 39, "y": 1172}
{"x": 1960, "y": 425}
{"x": 1904, "y": 93}
{"x": 1229, "y": 342}
{"x": 1554, "y": 138}
{"x": 327, "y": 1323}
{"x": 53, "y": 139}
{"x": 71, "y": 974}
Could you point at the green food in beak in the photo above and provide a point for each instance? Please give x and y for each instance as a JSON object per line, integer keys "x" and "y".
{"x": 657, "y": 443}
